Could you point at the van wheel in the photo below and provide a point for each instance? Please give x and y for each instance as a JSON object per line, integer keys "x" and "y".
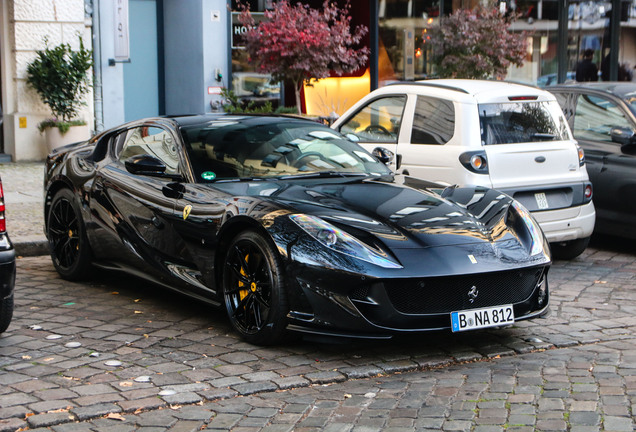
{"x": 570, "y": 249}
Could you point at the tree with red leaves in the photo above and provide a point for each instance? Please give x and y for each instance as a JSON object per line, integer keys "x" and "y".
{"x": 298, "y": 43}
{"x": 477, "y": 44}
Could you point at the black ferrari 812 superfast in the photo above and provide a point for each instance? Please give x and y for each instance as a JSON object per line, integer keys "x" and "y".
{"x": 289, "y": 226}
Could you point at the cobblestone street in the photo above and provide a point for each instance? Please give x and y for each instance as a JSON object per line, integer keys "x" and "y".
{"x": 152, "y": 360}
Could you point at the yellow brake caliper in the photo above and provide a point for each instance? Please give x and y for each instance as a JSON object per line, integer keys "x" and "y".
{"x": 70, "y": 235}
{"x": 243, "y": 292}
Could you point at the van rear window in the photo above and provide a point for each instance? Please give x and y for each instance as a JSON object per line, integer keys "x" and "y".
{"x": 522, "y": 122}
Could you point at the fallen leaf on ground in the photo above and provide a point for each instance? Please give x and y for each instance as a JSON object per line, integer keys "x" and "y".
{"x": 115, "y": 416}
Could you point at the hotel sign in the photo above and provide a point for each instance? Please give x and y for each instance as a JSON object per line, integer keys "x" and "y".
{"x": 122, "y": 45}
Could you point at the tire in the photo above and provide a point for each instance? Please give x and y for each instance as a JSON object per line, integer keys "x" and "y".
{"x": 68, "y": 244}
{"x": 254, "y": 289}
{"x": 570, "y": 249}
{"x": 6, "y": 313}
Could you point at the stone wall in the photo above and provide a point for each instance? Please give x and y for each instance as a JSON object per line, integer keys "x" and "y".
{"x": 29, "y": 23}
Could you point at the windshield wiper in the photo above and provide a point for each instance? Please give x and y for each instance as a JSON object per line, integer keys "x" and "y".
{"x": 239, "y": 179}
{"x": 323, "y": 174}
{"x": 544, "y": 136}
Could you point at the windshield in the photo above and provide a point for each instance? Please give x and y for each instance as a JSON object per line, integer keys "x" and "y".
{"x": 266, "y": 147}
{"x": 522, "y": 122}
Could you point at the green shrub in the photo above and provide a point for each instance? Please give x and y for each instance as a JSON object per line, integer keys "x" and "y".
{"x": 60, "y": 77}
{"x": 234, "y": 105}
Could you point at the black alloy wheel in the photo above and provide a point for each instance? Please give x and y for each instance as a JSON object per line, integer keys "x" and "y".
{"x": 68, "y": 244}
{"x": 253, "y": 289}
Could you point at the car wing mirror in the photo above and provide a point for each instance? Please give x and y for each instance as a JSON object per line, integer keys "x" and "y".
{"x": 623, "y": 135}
{"x": 352, "y": 137}
{"x": 384, "y": 155}
{"x": 145, "y": 165}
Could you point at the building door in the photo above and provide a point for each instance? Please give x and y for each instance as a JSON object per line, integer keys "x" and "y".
{"x": 141, "y": 75}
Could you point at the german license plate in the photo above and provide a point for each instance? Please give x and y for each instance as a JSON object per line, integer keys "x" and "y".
{"x": 542, "y": 200}
{"x": 472, "y": 319}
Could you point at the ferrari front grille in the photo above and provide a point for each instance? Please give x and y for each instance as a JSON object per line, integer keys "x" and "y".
{"x": 453, "y": 293}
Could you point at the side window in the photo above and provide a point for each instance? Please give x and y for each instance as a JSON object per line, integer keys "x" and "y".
{"x": 596, "y": 117}
{"x": 151, "y": 141}
{"x": 379, "y": 121}
{"x": 433, "y": 121}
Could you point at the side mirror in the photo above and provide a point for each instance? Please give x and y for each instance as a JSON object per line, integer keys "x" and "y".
{"x": 352, "y": 137}
{"x": 384, "y": 155}
{"x": 145, "y": 165}
{"x": 623, "y": 135}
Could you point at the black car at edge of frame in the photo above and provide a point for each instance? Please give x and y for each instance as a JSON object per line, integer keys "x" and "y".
{"x": 602, "y": 117}
{"x": 291, "y": 227}
{"x": 7, "y": 270}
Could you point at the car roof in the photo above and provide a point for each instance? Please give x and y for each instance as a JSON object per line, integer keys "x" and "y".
{"x": 250, "y": 119}
{"x": 480, "y": 91}
{"x": 622, "y": 89}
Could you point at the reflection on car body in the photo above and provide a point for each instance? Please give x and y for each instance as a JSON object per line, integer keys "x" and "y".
{"x": 290, "y": 227}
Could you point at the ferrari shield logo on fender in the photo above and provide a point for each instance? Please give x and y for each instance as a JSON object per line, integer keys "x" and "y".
{"x": 186, "y": 211}
{"x": 472, "y": 259}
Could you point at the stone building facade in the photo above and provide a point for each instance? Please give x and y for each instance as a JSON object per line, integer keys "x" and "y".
{"x": 25, "y": 25}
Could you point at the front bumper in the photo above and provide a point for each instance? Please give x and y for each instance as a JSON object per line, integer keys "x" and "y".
{"x": 567, "y": 224}
{"x": 360, "y": 307}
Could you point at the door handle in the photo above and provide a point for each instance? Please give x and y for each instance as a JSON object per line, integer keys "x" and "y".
{"x": 157, "y": 222}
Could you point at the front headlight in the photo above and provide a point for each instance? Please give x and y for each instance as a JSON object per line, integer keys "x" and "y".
{"x": 335, "y": 239}
{"x": 533, "y": 228}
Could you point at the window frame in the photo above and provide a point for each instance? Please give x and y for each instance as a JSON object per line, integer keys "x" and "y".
{"x": 122, "y": 134}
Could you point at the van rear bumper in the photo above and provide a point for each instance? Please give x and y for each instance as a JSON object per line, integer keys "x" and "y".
{"x": 567, "y": 224}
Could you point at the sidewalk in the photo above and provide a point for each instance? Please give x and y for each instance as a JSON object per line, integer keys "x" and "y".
{"x": 23, "y": 196}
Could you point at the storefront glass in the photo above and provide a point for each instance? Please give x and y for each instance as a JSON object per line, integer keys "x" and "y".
{"x": 250, "y": 86}
{"x": 403, "y": 27}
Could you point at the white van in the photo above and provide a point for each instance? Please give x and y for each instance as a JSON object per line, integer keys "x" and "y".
{"x": 501, "y": 135}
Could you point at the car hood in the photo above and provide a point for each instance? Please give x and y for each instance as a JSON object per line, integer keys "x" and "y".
{"x": 405, "y": 215}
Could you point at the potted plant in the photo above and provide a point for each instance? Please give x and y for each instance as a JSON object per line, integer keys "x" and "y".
{"x": 60, "y": 77}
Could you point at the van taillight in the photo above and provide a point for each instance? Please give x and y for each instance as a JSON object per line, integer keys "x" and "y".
{"x": 522, "y": 98}
{"x": 3, "y": 224}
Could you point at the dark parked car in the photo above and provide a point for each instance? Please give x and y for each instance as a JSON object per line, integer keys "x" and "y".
{"x": 602, "y": 117}
{"x": 7, "y": 270}
{"x": 290, "y": 226}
